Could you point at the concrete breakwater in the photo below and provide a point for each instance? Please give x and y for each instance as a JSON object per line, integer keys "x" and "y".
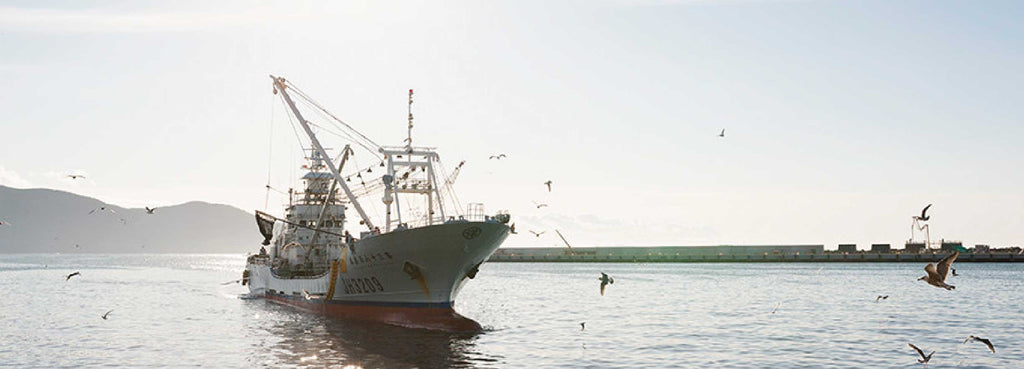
{"x": 732, "y": 254}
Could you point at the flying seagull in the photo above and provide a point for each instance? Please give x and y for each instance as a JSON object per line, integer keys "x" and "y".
{"x": 72, "y": 275}
{"x": 150, "y": 211}
{"x": 924, "y": 217}
{"x": 880, "y": 297}
{"x": 937, "y": 275}
{"x": 775, "y": 308}
{"x": 75, "y": 176}
{"x": 982, "y": 340}
{"x": 102, "y": 208}
{"x": 605, "y": 280}
{"x": 549, "y": 185}
{"x": 537, "y": 234}
{"x": 106, "y": 314}
{"x": 512, "y": 229}
{"x": 583, "y": 325}
{"x": 540, "y": 205}
{"x": 722, "y": 134}
{"x": 499, "y": 156}
{"x": 924, "y": 359}
{"x": 954, "y": 271}
{"x": 3, "y": 223}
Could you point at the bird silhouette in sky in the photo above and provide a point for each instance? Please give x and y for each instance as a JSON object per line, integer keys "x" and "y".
{"x": 150, "y": 210}
{"x": 549, "y": 185}
{"x": 68, "y": 278}
{"x": 75, "y": 176}
{"x": 924, "y": 216}
{"x": 537, "y": 234}
{"x": 722, "y": 134}
{"x": 105, "y": 315}
{"x": 499, "y": 156}
{"x": 539, "y": 205}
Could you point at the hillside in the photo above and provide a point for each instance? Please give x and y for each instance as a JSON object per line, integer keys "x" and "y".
{"x": 46, "y": 221}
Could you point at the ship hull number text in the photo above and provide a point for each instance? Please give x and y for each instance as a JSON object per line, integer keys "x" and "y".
{"x": 362, "y": 285}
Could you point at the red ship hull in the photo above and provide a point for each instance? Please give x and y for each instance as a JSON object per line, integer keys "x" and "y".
{"x": 426, "y": 316}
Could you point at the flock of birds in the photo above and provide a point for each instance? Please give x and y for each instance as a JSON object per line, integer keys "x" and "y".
{"x": 100, "y": 210}
{"x": 548, "y": 184}
{"x": 936, "y": 275}
{"x": 538, "y": 205}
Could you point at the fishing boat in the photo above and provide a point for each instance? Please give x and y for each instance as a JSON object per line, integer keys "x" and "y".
{"x": 405, "y": 269}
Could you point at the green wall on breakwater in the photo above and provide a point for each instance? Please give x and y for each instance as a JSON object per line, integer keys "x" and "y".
{"x": 731, "y": 254}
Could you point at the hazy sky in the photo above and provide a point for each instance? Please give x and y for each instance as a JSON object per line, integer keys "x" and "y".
{"x": 842, "y": 119}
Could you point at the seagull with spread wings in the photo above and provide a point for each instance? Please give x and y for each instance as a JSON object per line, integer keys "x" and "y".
{"x": 982, "y": 340}
{"x": 537, "y": 234}
{"x": 937, "y": 274}
{"x": 924, "y": 359}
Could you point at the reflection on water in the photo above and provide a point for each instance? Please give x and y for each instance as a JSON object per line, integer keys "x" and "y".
{"x": 305, "y": 340}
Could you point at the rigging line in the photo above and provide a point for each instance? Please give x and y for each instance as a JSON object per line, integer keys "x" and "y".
{"x": 320, "y": 114}
{"x": 373, "y": 209}
{"x": 312, "y": 101}
{"x": 294, "y": 128}
{"x": 449, "y": 188}
{"x": 328, "y": 130}
{"x": 328, "y": 113}
{"x": 270, "y": 153}
{"x": 298, "y": 138}
{"x": 349, "y": 136}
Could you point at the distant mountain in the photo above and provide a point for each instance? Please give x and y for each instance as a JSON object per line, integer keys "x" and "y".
{"x": 46, "y": 221}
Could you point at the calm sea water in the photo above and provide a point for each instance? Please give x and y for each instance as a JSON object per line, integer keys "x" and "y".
{"x": 172, "y": 311}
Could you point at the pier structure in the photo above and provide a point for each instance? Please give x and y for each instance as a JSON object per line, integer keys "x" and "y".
{"x": 743, "y": 254}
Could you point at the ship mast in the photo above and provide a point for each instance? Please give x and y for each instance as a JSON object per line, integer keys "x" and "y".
{"x": 409, "y": 138}
{"x": 279, "y": 85}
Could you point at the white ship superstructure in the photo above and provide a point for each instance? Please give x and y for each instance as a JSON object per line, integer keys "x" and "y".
{"x": 404, "y": 269}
